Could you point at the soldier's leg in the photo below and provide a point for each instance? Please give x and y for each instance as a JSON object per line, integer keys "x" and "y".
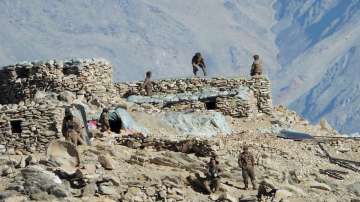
{"x": 245, "y": 177}
{"x": 195, "y": 70}
{"x": 216, "y": 184}
{"x": 252, "y": 177}
{"x": 74, "y": 138}
{"x": 207, "y": 186}
{"x": 79, "y": 139}
{"x": 204, "y": 71}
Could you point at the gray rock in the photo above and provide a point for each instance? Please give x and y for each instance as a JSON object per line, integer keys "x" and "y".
{"x": 108, "y": 190}
{"x": 106, "y": 162}
{"x": 89, "y": 190}
{"x": 354, "y": 188}
{"x": 39, "y": 180}
{"x": 5, "y": 170}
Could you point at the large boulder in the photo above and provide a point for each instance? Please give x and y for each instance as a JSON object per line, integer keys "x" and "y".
{"x": 64, "y": 154}
{"x": 354, "y": 188}
{"x": 38, "y": 180}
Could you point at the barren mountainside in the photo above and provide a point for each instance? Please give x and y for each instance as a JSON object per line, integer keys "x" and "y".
{"x": 300, "y": 42}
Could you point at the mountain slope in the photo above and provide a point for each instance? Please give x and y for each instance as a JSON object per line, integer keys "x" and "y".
{"x": 140, "y": 35}
{"x": 343, "y": 109}
{"x": 299, "y": 41}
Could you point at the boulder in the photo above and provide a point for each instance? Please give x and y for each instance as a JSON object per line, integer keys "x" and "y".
{"x": 106, "y": 161}
{"x": 354, "y": 188}
{"x": 37, "y": 180}
{"x": 282, "y": 194}
{"x": 63, "y": 154}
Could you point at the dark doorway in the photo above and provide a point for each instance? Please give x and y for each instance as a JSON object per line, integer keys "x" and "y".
{"x": 210, "y": 103}
{"x": 16, "y": 126}
{"x": 115, "y": 125}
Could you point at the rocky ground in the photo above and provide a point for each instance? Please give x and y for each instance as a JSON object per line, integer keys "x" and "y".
{"x": 109, "y": 171}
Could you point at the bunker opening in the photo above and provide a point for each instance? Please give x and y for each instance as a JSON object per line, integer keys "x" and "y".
{"x": 16, "y": 126}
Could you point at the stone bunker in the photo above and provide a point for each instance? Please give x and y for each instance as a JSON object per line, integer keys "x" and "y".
{"x": 30, "y": 121}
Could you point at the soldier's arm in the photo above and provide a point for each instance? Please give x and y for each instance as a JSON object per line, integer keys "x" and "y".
{"x": 239, "y": 161}
{"x": 203, "y": 63}
{"x": 252, "y": 160}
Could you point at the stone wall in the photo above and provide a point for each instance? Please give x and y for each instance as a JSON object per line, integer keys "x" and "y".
{"x": 20, "y": 82}
{"x": 260, "y": 87}
{"x": 30, "y": 127}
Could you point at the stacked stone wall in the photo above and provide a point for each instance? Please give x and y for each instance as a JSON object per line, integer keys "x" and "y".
{"x": 20, "y": 82}
{"x": 39, "y": 123}
{"x": 260, "y": 86}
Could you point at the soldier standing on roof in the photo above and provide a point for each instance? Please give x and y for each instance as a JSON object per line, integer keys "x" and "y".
{"x": 148, "y": 84}
{"x": 198, "y": 62}
{"x": 256, "y": 67}
{"x": 246, "y": 162}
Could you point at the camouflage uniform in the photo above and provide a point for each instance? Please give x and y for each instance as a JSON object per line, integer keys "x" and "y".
{"x": 104, "y": 121}
{"x": 72, "y": 131}
{"x": 246, "y": 162}
{"x": 212, "y": 182}
{"x": 198, "y": 62}
{"x": 148, "y": 87}
{"x": 256, "y": 68}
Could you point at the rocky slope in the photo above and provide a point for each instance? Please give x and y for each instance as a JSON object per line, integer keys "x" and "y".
{"x": 116, "y": 169}
{"x": 300, "y": 41}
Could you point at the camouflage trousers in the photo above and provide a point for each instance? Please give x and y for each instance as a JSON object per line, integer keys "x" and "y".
{"x": 248, "y": 173}
{"x": 196, "y": 69}
{"x": 212, "y": 184}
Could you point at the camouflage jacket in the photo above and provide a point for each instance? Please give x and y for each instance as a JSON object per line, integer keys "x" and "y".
{"x": 246, "y": 160}
{"x": 213, "y": 172}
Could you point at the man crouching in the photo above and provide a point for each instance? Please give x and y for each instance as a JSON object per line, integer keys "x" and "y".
{"x": 212, "y": 182}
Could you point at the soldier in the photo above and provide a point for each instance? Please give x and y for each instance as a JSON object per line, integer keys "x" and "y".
{"x": 246, "y": 162}
{"x": 72, "y": 130}
{"x": 148, "y": 84}
{"x": 104, "y": 120}
{"x": 256, "y": 67}
{"x": 198, "y": 62}
{"x": 266, "y": 190}
{"x": 212, "y": 182}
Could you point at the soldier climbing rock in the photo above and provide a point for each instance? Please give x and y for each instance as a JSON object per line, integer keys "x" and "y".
{"x": 148, "y": 84}
{"x": 246, "y": 162}
{"x": 104, "y": 121}
{"x": 198, "y": 62}
{"x": 212, "y": 182}
{"x": 72, "y": 130}
{"x": 256, "y": 67}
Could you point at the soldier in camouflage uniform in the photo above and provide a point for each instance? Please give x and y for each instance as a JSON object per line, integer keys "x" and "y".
{"x": 148, "y": 84}
{"x": 212, "y": 182}
{"x": 246, "y": 162}
{"x": 256, "y": 67}
{"x": 198, "y": 62}
{"x": 72, "y": 130}
{"x": 104, "y": 120}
